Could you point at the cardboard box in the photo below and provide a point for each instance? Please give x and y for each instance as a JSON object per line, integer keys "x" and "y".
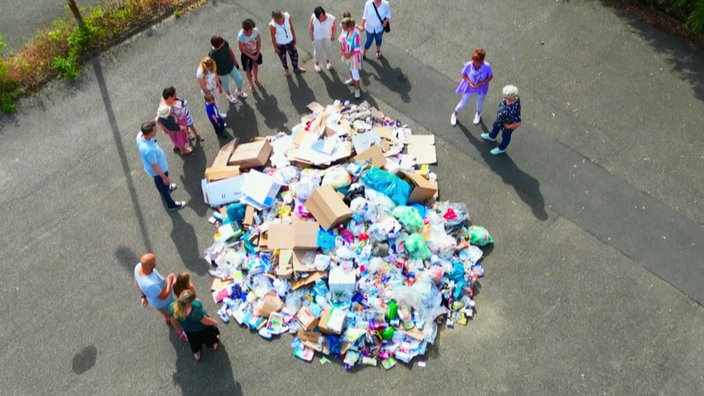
{"x": 223, "y": 172}
{"x": 341, "y": 284}
{"x": 285, "y": 267}
{"x": 422, "y": 190}
{"x": 223, "y": 156}
{"x": 251, "y": 155}
{"x": 224, "y": 191}
{"x": 249, "y": 216}
{"x": 303, "y": 235}
{"x": 259, "y": 190}
{"x": 332, "y": 320}
{"x": 298, "y": 255}
{"x": 327, "y": 207}
{"x": 307, "y": 320}
{"x": 270, "y": 303}
{"x": 374, "y": 154}
{"x": 311, "y": 336}
{"x": 309, "y": 280}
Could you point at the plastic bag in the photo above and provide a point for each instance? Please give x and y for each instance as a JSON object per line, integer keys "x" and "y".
{"x": 382, "y": 204}
{"x": 479, "y": 235}
{"x": 416, "y": 247}
{"x": 457, "y": 276}
{"x": 235, "y": 212}
{"x": 439, "y": 242}
{"x": 337, "y": 177}
{"x": 456, "y": 216}
{"x": 423, "y": 296}
{"x": 388, "y": 184}
{"x": 303, "y": 189}
{"x": 352, "y": 193}
{"x": 409, "y": 218}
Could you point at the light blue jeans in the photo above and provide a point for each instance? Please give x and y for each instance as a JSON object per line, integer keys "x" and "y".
{"x": 225, "y": 81}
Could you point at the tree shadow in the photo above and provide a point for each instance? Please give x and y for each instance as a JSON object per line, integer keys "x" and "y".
{"x": 268, "y": 107}
{"x": 193, "y": 170}
{"x": 392, "y": 78}
{"x": 186, "y": 242}
{"x": 213, "y": 375}
{"x": 526, "y": 186}
{"x": 301, "y": 94}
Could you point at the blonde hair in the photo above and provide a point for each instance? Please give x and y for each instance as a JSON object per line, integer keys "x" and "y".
{"x": 181, "y": 307}
{"x": 183, "y": 282}
{"x": 510, "y": 91}
{"x": 208, "y": 61}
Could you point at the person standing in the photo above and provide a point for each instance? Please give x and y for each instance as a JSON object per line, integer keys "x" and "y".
{"x": 155, "y": 290}
{"x": 476, "y": 76}
{"x": 250, "y": 43}
{"x": 508, "y": 119}
{"x": 226, "y": 66}
{"x": 208, "y": 79}
{"x": 351, "y": 52}
{"x": 177, "y": 133}
{"x": 375, "y": 20}
{"x": 179, "y": 108}
{"x": 156, "y": 165}
{"x": 214, "y": 116}
{"x": 321, "y": 29}
{"x": 199, "y": 327}
{"x": 283, "y": 38}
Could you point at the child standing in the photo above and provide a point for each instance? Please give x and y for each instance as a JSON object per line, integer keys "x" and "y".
{"x": 211, "y": 108}
{"x": 351, "y": 52}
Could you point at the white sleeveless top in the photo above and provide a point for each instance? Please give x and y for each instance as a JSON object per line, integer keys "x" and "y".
{"x": 283, "y": 32}
{"x": 323, "y": 30}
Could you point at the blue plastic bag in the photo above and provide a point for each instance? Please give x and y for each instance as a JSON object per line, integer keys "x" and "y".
{"x": 388, "y": 184}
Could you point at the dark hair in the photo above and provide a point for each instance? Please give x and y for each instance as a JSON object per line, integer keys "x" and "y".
{"x": 248, "y": 24}
{"x": 216, "y": 40}
{"x": 318, "y": 12}
{"x": 209, "y": 97}
{"x": 168, "y": 92}
{"x": 276, "y": 14}
{"x": 347, "y": 14}
{"x": 148, "y": 127}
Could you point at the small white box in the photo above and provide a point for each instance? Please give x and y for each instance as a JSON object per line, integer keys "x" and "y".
{"x": 341, "y": 284}
{"x": 223, "y": 191}
{"x": 259, "y": 190}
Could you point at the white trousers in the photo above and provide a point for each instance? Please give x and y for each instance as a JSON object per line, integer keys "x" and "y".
{"x": 320, "y": 46}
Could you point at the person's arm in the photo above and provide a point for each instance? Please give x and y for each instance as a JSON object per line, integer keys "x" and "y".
{"x": 218, "y": 83}
{"x": 208, "y": 321}
{"x": 514, "y": 125}
{"x": 259, "y": 47}
{"x": 272, "y": 31}
{"x": 167, "y": 290}
{"x": 293, "y": 31}
{"x": 161, "y": 174}
{"x": 143, "y": 300}
{"x": 203, "y": 86}
{"x": 240, "y": 44}
{"x": 234, "y": 58}
{"x": 310, "y": 27}
{"x": 334, "y": 30}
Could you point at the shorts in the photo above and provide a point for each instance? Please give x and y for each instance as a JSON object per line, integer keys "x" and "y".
{"x": 247, "y": 62}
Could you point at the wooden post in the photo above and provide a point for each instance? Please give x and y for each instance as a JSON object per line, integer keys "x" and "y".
{"x": 76, "y": 12}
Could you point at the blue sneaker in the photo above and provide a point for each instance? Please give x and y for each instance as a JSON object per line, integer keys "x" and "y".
{"x": 488, "y": 137}
{"x": 497, "y": 151}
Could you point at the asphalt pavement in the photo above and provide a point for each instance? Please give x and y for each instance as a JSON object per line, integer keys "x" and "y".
{"x": 593, "y": 285}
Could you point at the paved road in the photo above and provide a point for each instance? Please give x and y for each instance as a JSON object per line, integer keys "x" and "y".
{"x": 591, "y": 287}
{"x": 19, "y": 20}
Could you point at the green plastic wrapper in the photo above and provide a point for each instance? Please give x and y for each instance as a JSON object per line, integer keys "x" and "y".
{"x": 479, "y": 236}
{"x": 416, "y": 247}
{"x": 409, "y": 218}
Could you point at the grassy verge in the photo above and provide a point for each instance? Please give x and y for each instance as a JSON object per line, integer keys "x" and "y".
{"x": 688, "y": 12}
{"x": 61, "y": 50}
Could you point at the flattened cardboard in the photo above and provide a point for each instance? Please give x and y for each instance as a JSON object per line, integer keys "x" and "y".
{"x": 259, "y": 190}
{"x": 251, "y": 155}
{"x": 307, "y": 335}
{"x": 362, "y": 141}
{"x": 298, "y": 265}
{"x": 285, "y": 268}
{"x": 249, "y": 216}
{"x": 221, "y": 172}
{"x": 423, "y": 189}
{"x": 224, "y": 154}
{"x": 302, "y": 235}
{"x": 327, "y": 207}
{"x": 302, "y": 282}
{"x": 315, "y": 107}
{"x": 373, "y": 153}
{"x": 422, "y": 148}
{"x": 307, "y": 320}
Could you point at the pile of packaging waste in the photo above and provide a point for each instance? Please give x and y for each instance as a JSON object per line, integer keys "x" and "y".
{"x": 334, "y": 234}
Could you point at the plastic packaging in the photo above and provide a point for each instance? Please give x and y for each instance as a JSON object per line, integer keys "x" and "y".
{"x": 388, "y": 184}
{"x": 416, "y": 247}
{"x": 409, "y": 218}
{"x": 479, "y": 236}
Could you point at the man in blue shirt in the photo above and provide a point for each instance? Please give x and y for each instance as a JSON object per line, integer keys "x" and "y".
{"x": 156, "y": 165}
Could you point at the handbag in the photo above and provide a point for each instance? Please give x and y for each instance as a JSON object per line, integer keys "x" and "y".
{"x": 387, "y": 27}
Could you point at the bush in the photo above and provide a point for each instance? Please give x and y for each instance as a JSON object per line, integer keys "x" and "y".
{"x": 8, "y": 87}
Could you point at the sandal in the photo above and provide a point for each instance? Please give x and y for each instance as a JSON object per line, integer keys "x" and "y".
{"x": 183, "y": 336}
{"x": 259, "y": 83}
{"x": 215, "y": 346}
{"x": 287, "y": 73}
{"x": 197, "y": 356}
{"x": 186, "y": 151}
{"x": 378, "y": 54}
{"x": 251, "y": 88}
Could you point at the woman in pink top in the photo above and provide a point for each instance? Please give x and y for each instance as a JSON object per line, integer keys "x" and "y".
{"x": 351, "y": 52}
{"x": 476, "y": 76}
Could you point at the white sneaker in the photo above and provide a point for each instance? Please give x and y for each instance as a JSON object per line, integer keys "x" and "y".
{"x": 477, "y": 118}
{"x": 328, "y": 65}
{"x": 223, "y": 115}
{"x": 317, "y": 69}
{"x": 453, "y": 119}
{"x": 231, "y": 98}
{"x": 349, "y": 81}
{"x": 241, "y": 93}
{"x": 357, "y": 94}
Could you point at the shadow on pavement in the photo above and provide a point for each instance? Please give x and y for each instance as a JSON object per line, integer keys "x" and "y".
{"x": 243, "y": 122}
{"x": 301, "y": 94}
{"x": 193, "y": 171}
{"x": 268, "y": 107}
{"x": 120, "y": 148}
{"x": 186, "y": 242}
{"x": 211, "y": 376}
{"x": 527, "y": 187}
{"x": 392, "y": 78}
{"x": 127, "y": 258}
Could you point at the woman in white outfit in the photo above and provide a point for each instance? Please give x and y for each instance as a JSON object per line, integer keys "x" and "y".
{"x": 322, "y": 32}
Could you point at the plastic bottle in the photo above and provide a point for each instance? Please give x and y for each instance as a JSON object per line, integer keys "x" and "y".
{"x": 393, "y": 310}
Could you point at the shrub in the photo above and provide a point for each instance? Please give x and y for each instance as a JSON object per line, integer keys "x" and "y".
{"x": 8, "y": 87}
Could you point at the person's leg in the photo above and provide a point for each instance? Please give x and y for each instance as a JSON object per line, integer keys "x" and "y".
{"x": 317, "y": 51}
{"x": 246, "y": 63}
{"x": 495, "y": 130}
{"x": 195, "y": 341}
{"x": 463, "y": 102}
{"x": 282, "y": 57}
{"x": 378, "y": 37}
{"x": 355, "y": 79}
{"x": 327, "y": 48}
{"x": 255, "y": 70}
{"x": 480, "y": 103}
{"x": 367, "y": 42}
{"x": 505, "y": 138}
{"x": 293, "y": 53}
{"x": 235, "y": 74}
{"x": 225, "y": 82}
{"x": 165, "y": 193}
